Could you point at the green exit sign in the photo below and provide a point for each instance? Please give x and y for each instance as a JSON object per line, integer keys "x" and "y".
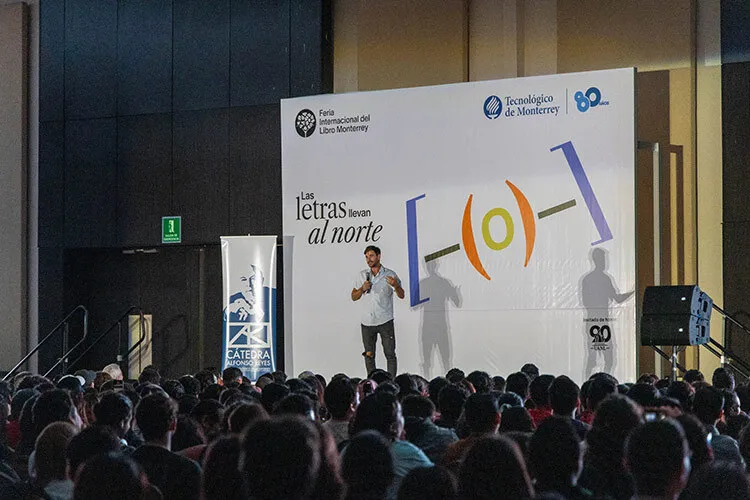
{"x": 171, "y": 229}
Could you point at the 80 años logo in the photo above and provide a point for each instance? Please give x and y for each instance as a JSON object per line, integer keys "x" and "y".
{"x": 589, "y": 99}
{"x": 601, "y": 335}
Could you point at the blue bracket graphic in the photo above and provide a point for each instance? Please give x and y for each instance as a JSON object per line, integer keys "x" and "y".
{"x": 413, "y": 251}
{"x": 579, "y": 174}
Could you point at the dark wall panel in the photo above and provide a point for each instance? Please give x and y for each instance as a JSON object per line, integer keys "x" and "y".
{"x": 166, "y": 285}
{"x": 736, "y": 141}
{"x": 90, "y": 183}
{"x": 51, "y": 60}
{"x": 201, "y": 54}
{"x": 735, "y": 19}
{"x": 173, "y": 280}
{"x": 201, "y": 174}
{"x": 105, "y": 282}
{"x": 213, "y": 302}
{"x": 51, "y": 299}
{"x": 736, "y": 184}
{"x": 144, "y": 57}
{"x": 311, "y": 49}
{"x": 149, "y": 108}
{"x": 736, "y": 277}
{"x": 144, "y": 177}
{"x": 51, "y": 183}
{"x": 260, "y": 52}
{"x": 90, "y": 58}
{"x": 255, "y": 171}
{"x": 165, "y": 295}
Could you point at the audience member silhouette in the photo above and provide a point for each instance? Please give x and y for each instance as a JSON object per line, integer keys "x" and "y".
{"x": 604, "y": 470}
{"x": 177, "y": 477}
{"x": 243, "y": 415}
{"x": 724, "y": 480}
{"x": 115, "y": 410}
{"x": 111, "y": 476}
{"x": 494, "y": 468}
{"x": 367, "y": 466}
{"x": 708, "y": 407}
{"x": 539, "y": 395}
{"x": 90, "y": 442}
{"x": 482, "y": 416}
{"x": 723, "y": 379}
{"x": 565, "y": 400}
{"x": 555, "y": 458}
{"x": 451, "y": 401}
{"x": 601, "y": 386}
{"x": 422, "y": 432}
{"x": 518, "y": 383}
{"x": 657, "y": 455}
{"x": 516, "y": 418}
{"x": 340, "y": 398}
{"x": 280, "y": 458}
{"x": 50, "y": 464}
{"x": 221, "y": 477}
{"x": 428, "y": 483}
{"x": 698, "y": 441}
{"x": 382, "y": 412}
{"x": 481, "y": 381}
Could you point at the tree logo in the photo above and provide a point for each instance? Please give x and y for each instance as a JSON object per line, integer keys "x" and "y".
{"x": 305, "y": 123}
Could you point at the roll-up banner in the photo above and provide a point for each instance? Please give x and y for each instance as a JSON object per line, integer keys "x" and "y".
{"x": 249, "y": 280}
{"x": 506, "y": 208}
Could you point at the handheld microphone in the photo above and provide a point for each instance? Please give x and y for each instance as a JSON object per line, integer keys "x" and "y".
{"x": 367, "y": 276}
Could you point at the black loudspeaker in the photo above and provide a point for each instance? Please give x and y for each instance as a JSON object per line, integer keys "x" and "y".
{"x": 675, "y": 315}
{"x": 680, "y": 299}
{"x": 674, "y": 329}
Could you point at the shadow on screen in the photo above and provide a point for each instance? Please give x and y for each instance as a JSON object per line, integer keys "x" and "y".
{"x": 434, "y": 328}
{"x": 598, "y": 291}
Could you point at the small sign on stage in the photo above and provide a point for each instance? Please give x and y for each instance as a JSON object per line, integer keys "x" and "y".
{"x": 171, "y": 229}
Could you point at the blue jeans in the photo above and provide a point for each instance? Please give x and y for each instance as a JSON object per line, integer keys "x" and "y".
{"x": 387, "y": 339}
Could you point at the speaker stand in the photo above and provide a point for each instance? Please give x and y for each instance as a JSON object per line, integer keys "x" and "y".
{"x": 673, "y": 359}
{"x": 725, "y": 354}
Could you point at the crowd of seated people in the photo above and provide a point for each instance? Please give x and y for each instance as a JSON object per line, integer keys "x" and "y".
{"x": 215, "y": 435}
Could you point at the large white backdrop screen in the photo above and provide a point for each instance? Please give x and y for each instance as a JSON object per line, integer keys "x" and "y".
{"x": 532, "y": 201}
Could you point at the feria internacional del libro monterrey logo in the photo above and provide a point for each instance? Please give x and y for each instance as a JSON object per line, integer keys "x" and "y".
{"x": 305, "y": 123}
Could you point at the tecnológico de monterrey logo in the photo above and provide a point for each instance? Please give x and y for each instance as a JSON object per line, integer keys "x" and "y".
{"x": 493, "y": 107}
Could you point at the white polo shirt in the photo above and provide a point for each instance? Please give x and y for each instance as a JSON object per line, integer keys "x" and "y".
{"x": 378, "y": 303}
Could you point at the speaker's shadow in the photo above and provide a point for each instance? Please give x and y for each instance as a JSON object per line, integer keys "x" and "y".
{"x": 435, "y": 335}
{"x": 598, "y": 291}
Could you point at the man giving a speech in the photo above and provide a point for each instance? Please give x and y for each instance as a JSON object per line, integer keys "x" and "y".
{"x": 375, "y": 286}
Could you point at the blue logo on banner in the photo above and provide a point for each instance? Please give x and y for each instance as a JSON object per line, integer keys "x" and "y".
{"x": 248, "y": 335}
{"x": 589, "y": 99}
{"x": 493, "y": 107}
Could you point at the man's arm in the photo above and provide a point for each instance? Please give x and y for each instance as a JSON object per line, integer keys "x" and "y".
{"x": 357, "y": 293}
{"x": 396, "y": 284}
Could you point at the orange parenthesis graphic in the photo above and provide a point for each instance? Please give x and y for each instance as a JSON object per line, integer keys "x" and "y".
{"x": 467, "y": 236}
{"x": 527, "y": 216}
